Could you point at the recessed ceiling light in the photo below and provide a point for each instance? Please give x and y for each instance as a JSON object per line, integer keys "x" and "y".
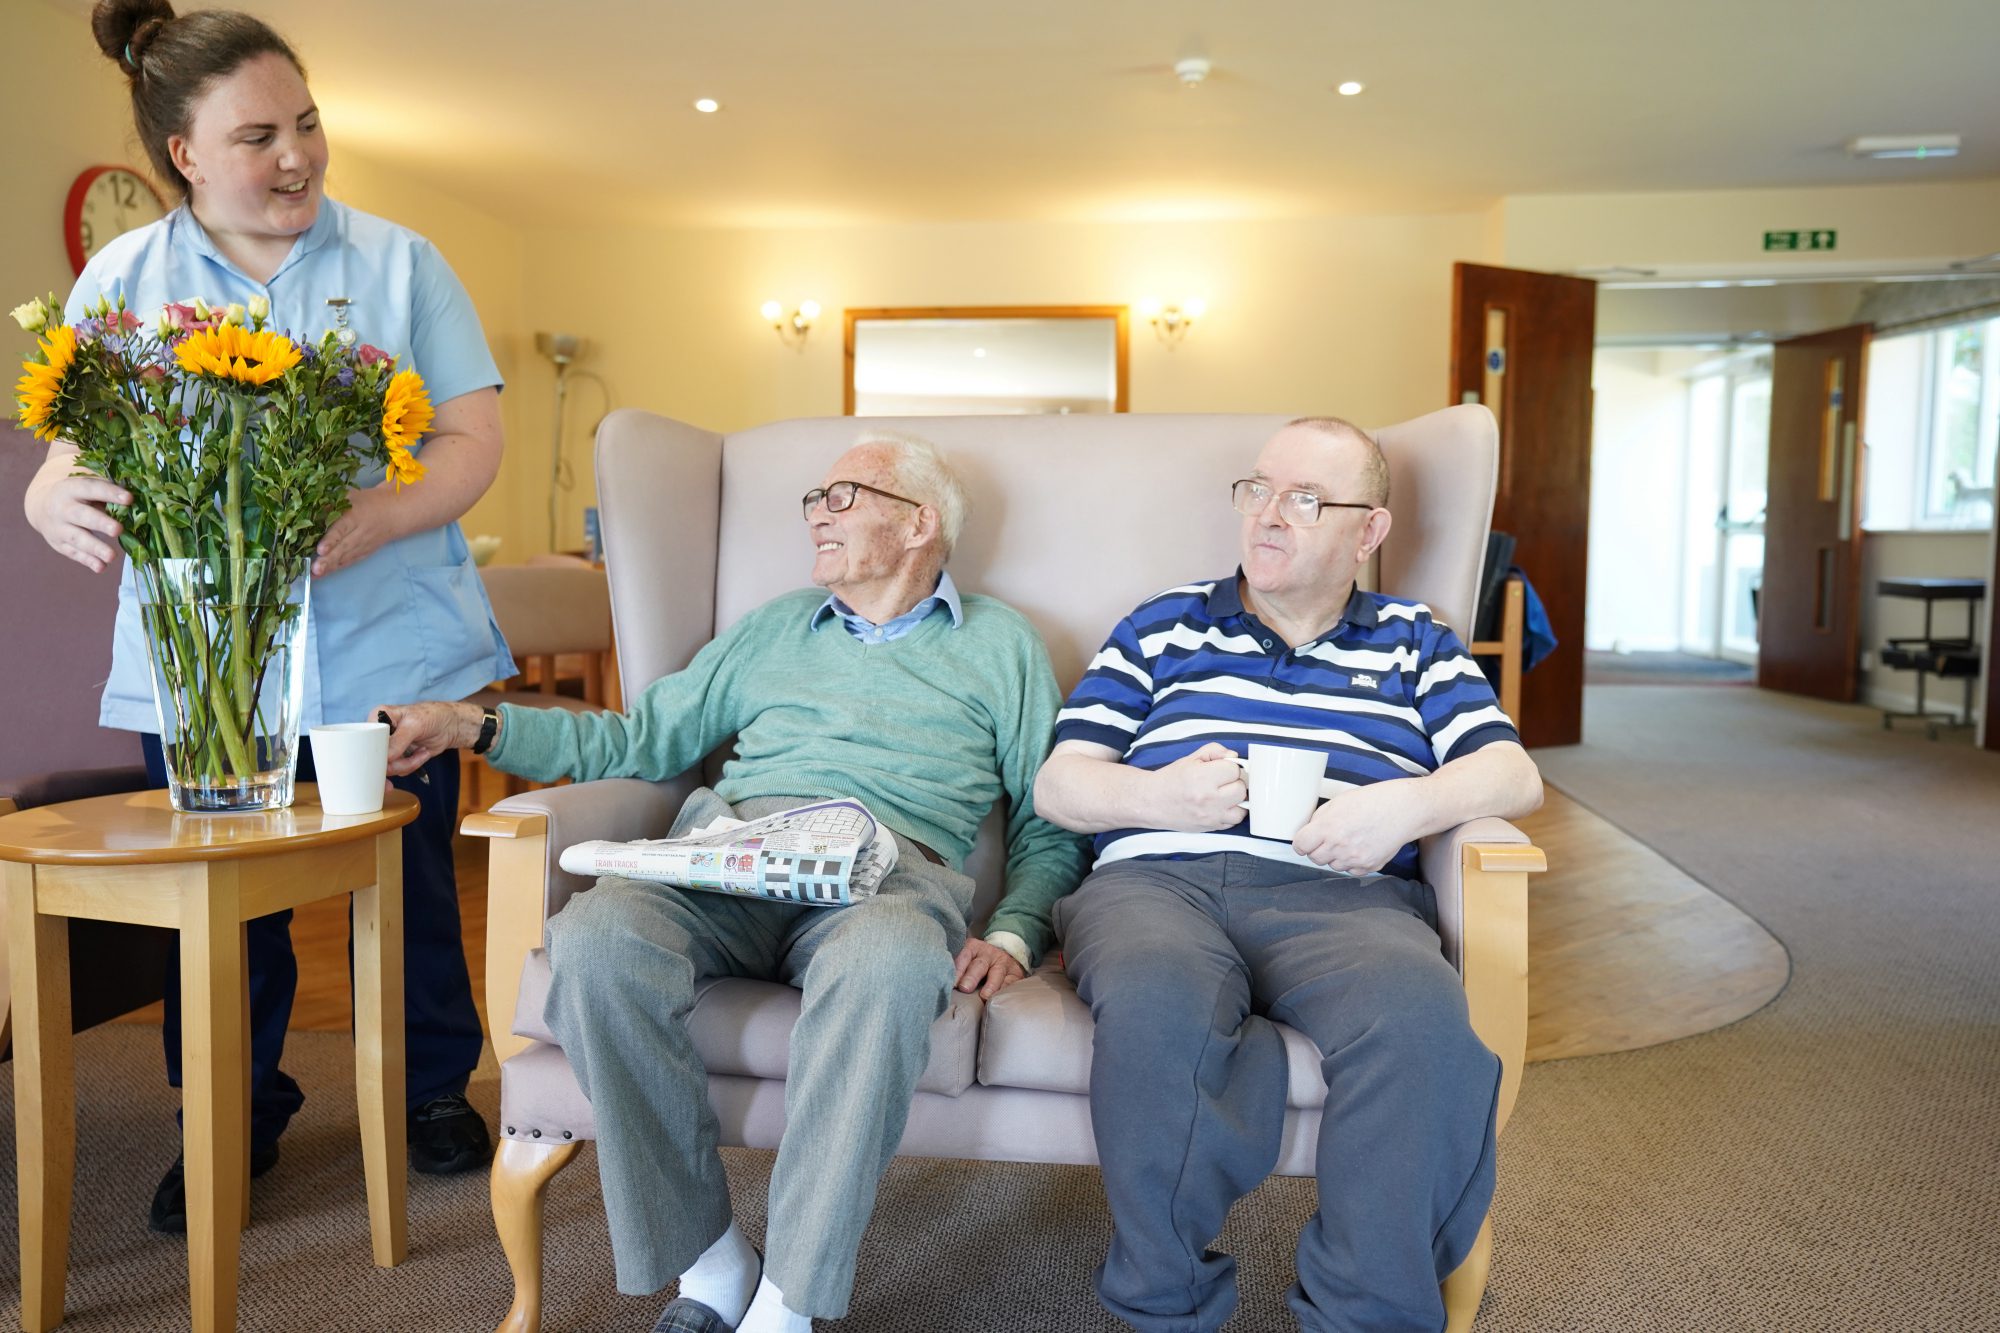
{"x": 979, "y": 351}
{"x": 1350, "y": 88}
{"x": 1904, "y": 145}
{"x": 708, "y": 106}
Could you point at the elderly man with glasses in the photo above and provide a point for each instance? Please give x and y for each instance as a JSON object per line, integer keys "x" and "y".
{"x": 1191, "y": 936}
{"x": 892, "y": 686}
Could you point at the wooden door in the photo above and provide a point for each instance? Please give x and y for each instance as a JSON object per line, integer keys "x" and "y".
{"x": 1521, "y": 344}
{"x": 1809, "y": 622}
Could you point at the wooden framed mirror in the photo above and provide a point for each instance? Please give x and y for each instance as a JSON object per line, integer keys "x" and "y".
{"x": 977, "y": 360}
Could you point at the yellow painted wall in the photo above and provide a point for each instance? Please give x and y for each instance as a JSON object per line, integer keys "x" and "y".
{"x": 64, "y": 109}
{"x": 1343, "y": 315}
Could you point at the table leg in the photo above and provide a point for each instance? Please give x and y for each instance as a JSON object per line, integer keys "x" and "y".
{"x": 243, "y": 1208}
{"x": 44, "y": 1098}
{"x": 214, "y": 1069}
{"x": 379, "y": 1078}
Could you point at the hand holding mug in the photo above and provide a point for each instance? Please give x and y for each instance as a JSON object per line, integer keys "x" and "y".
{"x": 1358, "y": 830}
{"x": 1201, "y": 792}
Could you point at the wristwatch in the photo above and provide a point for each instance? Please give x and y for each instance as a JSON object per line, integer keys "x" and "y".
{"x": 489, "y": 725}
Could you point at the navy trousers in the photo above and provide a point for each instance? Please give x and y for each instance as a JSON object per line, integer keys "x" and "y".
{"x": 441, "y": 1026}
{"x": 1186, "y": 965}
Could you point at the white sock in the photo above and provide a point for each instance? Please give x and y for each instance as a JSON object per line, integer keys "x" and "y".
{"x": 724, "y": 1277}
{"x": 768, "y": 1314}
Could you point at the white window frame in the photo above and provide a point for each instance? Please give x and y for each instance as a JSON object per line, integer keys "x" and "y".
{"x": 1936, "y": 365}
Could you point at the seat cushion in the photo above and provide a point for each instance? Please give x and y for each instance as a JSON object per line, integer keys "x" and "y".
{"x": 745, "y": 1028}
{"x": 1038, "y": 1034}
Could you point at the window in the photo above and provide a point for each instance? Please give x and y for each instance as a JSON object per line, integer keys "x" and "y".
{"x": 1933, "y": 428}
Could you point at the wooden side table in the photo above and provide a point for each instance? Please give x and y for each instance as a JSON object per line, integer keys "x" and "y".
{"x": 130, "y": 857}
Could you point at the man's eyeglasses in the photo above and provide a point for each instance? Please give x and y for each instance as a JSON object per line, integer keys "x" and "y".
{"x": 1298, "y": 508}
{"x": 840, "y": 496}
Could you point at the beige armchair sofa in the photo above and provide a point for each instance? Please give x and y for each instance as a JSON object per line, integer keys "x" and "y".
{"x": 1073, "y": 520}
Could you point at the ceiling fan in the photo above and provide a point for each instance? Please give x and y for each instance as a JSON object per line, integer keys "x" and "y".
{"x": 1193, "y": 67}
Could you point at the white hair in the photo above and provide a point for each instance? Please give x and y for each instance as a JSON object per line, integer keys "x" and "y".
{"x": 922, "y": 474}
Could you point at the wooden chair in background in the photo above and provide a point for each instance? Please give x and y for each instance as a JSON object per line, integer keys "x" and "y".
{"x": 1513, "y": 612}
{"x": 557, "y": 619}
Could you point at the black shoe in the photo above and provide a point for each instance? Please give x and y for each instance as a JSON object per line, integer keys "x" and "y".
{"x": 447, "y": 1136}
{"x": 168, "y": 1214}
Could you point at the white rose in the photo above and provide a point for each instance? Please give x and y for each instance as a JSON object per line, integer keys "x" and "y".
{"x": 234, "y": 313}
{"x": 31, "y": 315}
{"x": 260, "y": 307}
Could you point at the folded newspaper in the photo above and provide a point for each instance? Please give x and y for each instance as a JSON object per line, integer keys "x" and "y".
{"x": 827, "y": 854}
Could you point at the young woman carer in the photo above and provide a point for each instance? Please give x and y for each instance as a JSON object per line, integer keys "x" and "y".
{"x": 221, "y": 105}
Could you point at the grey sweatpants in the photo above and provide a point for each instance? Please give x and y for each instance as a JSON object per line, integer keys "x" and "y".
{"x": 1185, "y": 965}
{"x": 626, "y": 958}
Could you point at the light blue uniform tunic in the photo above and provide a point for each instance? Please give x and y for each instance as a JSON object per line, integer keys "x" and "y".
{"x": 411, "y": 621}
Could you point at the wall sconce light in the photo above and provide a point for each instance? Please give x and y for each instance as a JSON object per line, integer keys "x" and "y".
{"x": 1172, "y": 321}
{"x": 793, "y": 328}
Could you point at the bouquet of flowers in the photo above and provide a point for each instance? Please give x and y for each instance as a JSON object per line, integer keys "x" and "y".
{"x": 238, "y": 444}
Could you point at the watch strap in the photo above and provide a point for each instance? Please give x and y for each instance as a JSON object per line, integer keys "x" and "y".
{"x": 489, "y": 726}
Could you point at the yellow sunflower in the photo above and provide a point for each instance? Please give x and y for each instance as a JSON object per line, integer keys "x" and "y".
{"x": 233, "y": 352}
{"x": 406, "y": 415}
{"x": 38, "y": 390}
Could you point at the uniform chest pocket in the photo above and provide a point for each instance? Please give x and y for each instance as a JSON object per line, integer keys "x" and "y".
{"x": 448, "y": 610}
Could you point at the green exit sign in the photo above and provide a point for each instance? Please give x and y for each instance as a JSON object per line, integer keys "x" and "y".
{"x": 1800, "y": 240}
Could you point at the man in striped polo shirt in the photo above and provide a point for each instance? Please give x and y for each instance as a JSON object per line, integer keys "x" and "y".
{"x": 1191, "y": 937}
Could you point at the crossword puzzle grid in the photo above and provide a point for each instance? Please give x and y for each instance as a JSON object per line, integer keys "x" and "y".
{"x": 843, "y": 819}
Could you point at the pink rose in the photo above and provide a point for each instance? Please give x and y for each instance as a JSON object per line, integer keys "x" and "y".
{"x": 184, "y": 318}
{"x": 368, "y": 354}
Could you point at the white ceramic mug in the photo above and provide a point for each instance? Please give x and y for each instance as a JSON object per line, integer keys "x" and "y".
{"x": 1286, "y": 785}
{"x": 351, "y": 760}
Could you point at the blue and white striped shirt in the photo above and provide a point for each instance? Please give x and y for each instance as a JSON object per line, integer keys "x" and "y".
{"x": 1388, "y": 692}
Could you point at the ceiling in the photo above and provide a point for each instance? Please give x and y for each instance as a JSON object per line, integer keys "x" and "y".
{"x": 870, "y": 111}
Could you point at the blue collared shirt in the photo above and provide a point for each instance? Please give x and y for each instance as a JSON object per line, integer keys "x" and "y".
{"x": 868, "y": 631}
{"x": 411, "y": 621}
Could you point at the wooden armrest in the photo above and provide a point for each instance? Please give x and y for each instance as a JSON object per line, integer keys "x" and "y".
{"x": 1494, "y": 952}
{"x": 1524, "y": 857}
{"x": 1479, "y": 872}
{"x": 525, "y": 885}
{"x": 515, "y": 892}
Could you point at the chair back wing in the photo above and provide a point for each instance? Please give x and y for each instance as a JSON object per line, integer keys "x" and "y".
{"x": 548, "y": 609}
{"x": 659, "y": 497}
{"x": 1442, "y": 471}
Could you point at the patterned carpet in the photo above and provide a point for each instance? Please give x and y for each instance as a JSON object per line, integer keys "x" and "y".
{"x": 1827, "y": 1164}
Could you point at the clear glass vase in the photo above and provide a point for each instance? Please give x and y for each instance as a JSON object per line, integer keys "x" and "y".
{"x": 227, "y": 639}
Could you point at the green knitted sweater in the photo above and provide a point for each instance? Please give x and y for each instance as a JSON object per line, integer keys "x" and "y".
{"x": 930, "y": 730}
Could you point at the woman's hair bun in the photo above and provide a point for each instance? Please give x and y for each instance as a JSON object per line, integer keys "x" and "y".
{"x": 125, "y": 28}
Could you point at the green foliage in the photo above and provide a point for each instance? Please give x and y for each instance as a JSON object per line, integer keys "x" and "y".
{"x": 217, "y": 464}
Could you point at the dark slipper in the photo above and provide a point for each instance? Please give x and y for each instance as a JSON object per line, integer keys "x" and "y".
{"x": 685, "y": 1316}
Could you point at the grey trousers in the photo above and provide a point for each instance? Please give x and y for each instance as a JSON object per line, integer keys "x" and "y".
{"x": 1185, "y": 964}
{"x": 626, "y": 958}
